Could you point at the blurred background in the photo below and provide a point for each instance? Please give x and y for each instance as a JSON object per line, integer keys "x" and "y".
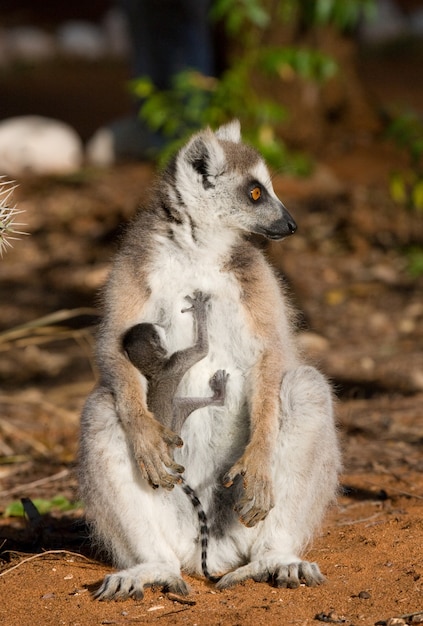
{"x": 331, "y": 92}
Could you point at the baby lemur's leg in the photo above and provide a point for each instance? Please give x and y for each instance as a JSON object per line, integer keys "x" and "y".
{"x": 183, "y": 407}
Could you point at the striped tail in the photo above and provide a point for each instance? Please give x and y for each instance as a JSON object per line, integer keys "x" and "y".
{"x": 204, "y": 529}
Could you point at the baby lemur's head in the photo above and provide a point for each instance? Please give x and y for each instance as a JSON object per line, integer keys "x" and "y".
{"x": 224, "y": 183}
{"x": 144, "y": 347}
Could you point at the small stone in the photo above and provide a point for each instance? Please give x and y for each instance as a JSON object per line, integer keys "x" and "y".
{"x": 79, "y": 38}
{"x": 78, "y": 592}
{"x": 38, "y": 145}
{"x": 331, "y": 618}
{"x": 29, "y": 43}
{"x": 364, "y": 595}
{"x": 174, "y": 597}
{"x": 395, "y": 621}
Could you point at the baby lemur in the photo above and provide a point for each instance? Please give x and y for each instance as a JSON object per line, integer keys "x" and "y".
{"x": 265, "y": 463}
{"x": 143, "y": 345}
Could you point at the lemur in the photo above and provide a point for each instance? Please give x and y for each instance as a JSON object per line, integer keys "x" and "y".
{"x": 144, "y": 347}
{"x": 265, "y": 465}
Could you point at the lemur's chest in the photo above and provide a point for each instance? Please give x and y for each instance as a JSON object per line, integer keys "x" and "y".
{"x": 233, "y": 345}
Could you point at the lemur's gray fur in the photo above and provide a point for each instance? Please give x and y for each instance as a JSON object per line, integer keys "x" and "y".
{"x": 144, "y": 347}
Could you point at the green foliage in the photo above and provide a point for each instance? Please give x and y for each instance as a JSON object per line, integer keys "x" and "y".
{"x": 58, "y": 503}
{"x": 343, "y": 14}
{"x": 195, "y": 101}
{"x": 407, "y": 131}
{"x": 415, "y": 261}
{"x": 238, "y": 15}
{"x": 406, "y": 186}
{"x": 293, "y": 61}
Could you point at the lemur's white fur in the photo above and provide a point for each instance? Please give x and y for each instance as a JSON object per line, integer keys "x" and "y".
{"x": 276, "y": 430}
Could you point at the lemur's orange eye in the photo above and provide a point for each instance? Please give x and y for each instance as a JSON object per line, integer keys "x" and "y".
{"x": 255, "y": 194}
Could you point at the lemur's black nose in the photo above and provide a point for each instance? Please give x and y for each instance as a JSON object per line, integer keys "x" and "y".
{"x": 289, "y": 223}
{"x": 292, "y": 226}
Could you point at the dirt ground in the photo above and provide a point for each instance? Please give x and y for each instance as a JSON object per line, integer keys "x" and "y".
{"x": 360, "y": 319}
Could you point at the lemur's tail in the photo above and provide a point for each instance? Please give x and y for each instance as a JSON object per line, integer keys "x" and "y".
{"x": 204, "y": 529}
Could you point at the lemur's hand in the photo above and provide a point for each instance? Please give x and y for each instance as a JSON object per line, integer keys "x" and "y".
{"x": 153, "y": 453}
{"x": 257, "y": 498}
{"x": 198, "y": 302}
{"x": 217, "y": 384}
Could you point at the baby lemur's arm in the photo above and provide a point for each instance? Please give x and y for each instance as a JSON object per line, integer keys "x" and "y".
{"x": 182, "y": 360}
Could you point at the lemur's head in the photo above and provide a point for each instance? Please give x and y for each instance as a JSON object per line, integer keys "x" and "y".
{"x": 220, "y": 179}
{"x": 144, "y": 345}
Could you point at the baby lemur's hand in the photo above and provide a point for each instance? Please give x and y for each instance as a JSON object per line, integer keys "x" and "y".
{"x": 153, "y": 453}
{"x": 257, "y": 497}
{"x": 198, "y": 302}
{"x": 218, "y": 385}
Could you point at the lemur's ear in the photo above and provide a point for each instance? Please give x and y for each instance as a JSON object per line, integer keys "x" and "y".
{"x": 230, "y": 132}
{"x": 198, "y": 156}
{"x": 204, "y": 155}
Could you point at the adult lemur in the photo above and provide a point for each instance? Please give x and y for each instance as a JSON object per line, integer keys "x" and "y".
{"x": 265, "y": 464}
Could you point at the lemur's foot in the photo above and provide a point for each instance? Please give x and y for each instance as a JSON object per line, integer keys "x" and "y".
{"x": 218, "y": 385}
{"x": 198, "y": 301}
{"x": 132, "y": 582}
{"x": 281, "y": 572}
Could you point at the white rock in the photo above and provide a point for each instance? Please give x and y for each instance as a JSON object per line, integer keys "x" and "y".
{"x": 39, "y": 145}
{"x": 81, "y": 39}
{"x": 100, "y": 148}
{"x": 29, "y": 43}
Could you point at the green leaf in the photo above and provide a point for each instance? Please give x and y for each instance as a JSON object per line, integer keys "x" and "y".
{"x": 59, "y": 502}
{"x": 398, "y": 188}
{"x": 417, "y": 195}
{"x": 238, "y": 15}
{"x": 14, "y": 509}
{"x": 415, "y": 261}
{"x": 142, "y": 87}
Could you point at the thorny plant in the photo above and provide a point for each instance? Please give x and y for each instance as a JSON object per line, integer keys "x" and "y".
{"x": 8, "y": 213}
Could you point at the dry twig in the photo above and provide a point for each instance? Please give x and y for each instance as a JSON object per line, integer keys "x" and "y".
{"x": 44, "y": 328}
{"x": 36, "y": 483}
{"x": 43, "y": 554}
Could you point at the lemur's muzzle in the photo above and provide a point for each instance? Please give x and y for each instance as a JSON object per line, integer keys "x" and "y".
{"x": 280, "y": 228}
